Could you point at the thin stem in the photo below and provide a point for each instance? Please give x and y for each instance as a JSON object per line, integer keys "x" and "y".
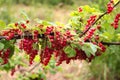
{"x": 34, "y": 67}
{"x": 29, "y": 71}
{"x": 111, "y": 43}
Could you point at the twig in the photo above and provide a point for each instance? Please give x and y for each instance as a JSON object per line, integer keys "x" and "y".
{"x": 34, "y": 67}
{"x": 2, "y": 37}
{"x": 97, "y": 20}
{"x": 31, "y": 69}
{"x": 111, "y": 43}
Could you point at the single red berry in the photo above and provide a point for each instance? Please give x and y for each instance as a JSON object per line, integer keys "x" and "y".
{"x": 24, "y": 27}
{"x": 16, "y": 24}
{"x": 22, "y": 24}
{"x": 98, "y": 27}
{"x": 27, "y": 21}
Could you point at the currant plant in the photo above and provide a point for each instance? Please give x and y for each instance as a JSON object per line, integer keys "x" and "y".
{"x": 83, "y": 38}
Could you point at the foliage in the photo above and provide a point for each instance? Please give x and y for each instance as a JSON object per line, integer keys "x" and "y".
{"x": 106, "y": 66}
{"x": 49, "y": 44}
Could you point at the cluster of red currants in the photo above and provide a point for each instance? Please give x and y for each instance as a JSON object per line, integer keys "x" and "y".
{"x": 110, "y": 6}
{"x": 102, "y": 47}
{"x": 116, "y": 20}
{"x": 90, "y": 21}
{"x": 46, "y": 55}
{"x": 26, "y": 44}
{"x": 58, "y": 43}
{"x": 63, "y": 56}
{"x": 9, "y": 34}
{"x": 4, "y": 54}
{"x": 80, "y": 55}
{"x": 89, "y": 34}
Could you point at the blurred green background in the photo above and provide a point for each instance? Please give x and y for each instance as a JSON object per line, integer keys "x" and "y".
{"x": 51, "y": 10}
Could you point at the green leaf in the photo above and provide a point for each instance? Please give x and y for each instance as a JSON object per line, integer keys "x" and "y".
{"x": 8, "y": 45}
{"x": 37, "y": 58}
{"x": 12, "y": 50}
{"x": 33, "y": 76}
{"x": 73, "y": 45}
{"x": 70, "y": 51}
{"x": 11, "y": 25}
{"x": 106, "y": 36}
{"x": 1, "y": 46}
{"x": 2, "y": 25}
{"x": 93, "y": 48}
{"x": 89, "y": 49}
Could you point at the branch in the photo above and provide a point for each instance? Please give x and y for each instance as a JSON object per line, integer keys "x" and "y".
{"x": 97, "y": 20}
{"x": 2, "y": 37}
{"x": 111, "y": 43}
{"x": 25, "y": 36}
{"x": 116, "y": 4}
{"x": 42, "y": 36}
